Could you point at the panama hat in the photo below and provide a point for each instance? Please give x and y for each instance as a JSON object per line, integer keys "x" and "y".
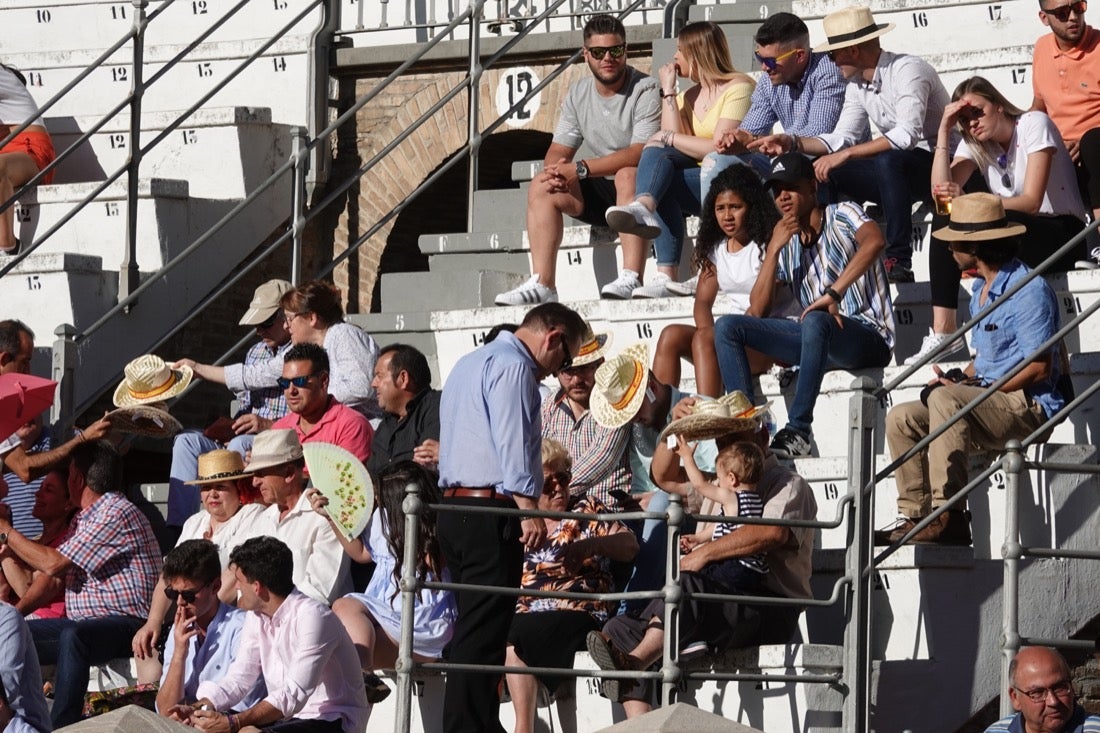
{"x": 849, "y": 27}
{"x": 621, "y": 386}
{"x": 265, "y": 301}
{"x": 219, "y": 465}
{"x": 152, "y": 422}
{"x": 978, "y": 217}
{"x": 711, "y": 418}
{"x": 149, "y": 380}
{"x": 274, "y": 448}
{"x": 593, "y": 348}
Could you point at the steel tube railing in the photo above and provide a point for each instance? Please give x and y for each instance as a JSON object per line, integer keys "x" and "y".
{"x": 1010, "y": 595}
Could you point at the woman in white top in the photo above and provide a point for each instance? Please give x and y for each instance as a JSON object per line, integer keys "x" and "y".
{"x": 25, "y": 154}
{"x": 1022, "y": 159}
{"x": 227, "y": 520}
{"x": 737, "y": 222}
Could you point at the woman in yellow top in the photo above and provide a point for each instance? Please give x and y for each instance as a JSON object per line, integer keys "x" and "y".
{"x": 669, "y": 175}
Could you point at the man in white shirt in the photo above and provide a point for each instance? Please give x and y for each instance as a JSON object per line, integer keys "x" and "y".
{"x": 295, "y": 645}
{"x": 904, "y": 98}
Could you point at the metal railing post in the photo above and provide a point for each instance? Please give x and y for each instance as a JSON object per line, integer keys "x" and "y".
{"x": 128, "y": 277}
{"x": 670, "y": 668}
{"x": 473, "y": 133}
{"x": 1012, "y": 551}
{"x": 862, "y": 411}
{"x": 413, "y": 507}
{"x": 300, "y": 155}
{"x": 61, "y": 371}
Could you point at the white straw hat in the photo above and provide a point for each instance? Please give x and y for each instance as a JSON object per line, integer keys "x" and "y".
{"x": 712, "y": 418}
{"x": 621, "y": 386}
{"x": 849, "y": 27}
{"x": 149, "y": 380}
{"x": 274, "y": 448}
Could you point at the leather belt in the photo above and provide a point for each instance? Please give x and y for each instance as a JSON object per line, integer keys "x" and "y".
{"x": 469, "y": 492}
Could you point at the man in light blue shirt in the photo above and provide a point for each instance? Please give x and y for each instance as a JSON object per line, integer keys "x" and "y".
{"x": 490, "y": 455}
{"x": 22, "y": 704}
{"x": 980, "y": 238}
{"x": 206, "y": 632}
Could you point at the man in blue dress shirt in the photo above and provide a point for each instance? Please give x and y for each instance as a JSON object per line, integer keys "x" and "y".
{"x": 490, "y": 455}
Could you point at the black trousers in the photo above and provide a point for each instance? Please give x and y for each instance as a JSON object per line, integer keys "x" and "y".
{"x": 483, "y": 550}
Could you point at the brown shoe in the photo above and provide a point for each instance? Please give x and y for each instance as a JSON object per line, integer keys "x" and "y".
{"x": 950, "y": 528}
{"x": 610, "y": 659}
{"x": 894, "y": 532}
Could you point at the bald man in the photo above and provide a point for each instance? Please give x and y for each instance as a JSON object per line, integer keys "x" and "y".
{"x": 1041, "y": 690}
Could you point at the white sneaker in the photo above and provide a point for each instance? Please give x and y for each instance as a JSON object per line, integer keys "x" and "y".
{"x": 634, "y": 218}
{"x": 686, "y": 288}
{"x": 621, "y": 287}
{"x": 531, "y": 292}
{"x": 657, "y": 288}
{"x": 1089, "y": 264}
{"x": 933, "y": 341}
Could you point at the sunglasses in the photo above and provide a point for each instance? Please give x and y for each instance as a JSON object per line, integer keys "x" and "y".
{"x": 598, "y": 52}
{"x": 268, "y": 323}
{"x": 299, "y": 382}
{"x": 1062, "y": 12}
{"x": 188, "y": 596}
{"x": 770, "y": 62}
{"x": 567, "y": 358}
{"x": 559, "y": 479}
{"x": 575, "y": 371}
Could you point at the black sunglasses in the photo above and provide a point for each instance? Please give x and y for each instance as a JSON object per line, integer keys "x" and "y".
{"x": 598, "y": 52}
{"x": 268, "y": 323}
{"x": 567, "y": 359}
{"x": 188, "y": 596}
{"x": 299, "y": 382}
{"x": 1062, "y": 13}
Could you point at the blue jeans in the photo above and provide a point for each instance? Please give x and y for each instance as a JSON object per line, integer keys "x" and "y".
{"x": 893, "y": 180}
{"x": 715, "y": 163}
{"x": 816, "y": 344}
{"x": 183, "y": 500}
{"x": 73, "y": 646}
{"x": 672, "y": 180}
{"x": 649, "y": 563}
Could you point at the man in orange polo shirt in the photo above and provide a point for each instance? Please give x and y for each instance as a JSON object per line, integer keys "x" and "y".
{"x": 1066, "y": 81}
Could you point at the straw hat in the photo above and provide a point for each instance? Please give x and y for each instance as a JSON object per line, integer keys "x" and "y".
{"x": 219, "y": 465}
{"x": 710, "y": 418}
{"x": 274, "y": 448}
{"x": 978, "y": 217}
{"x": 593, "y": 348}
{"x": 149, "y": 380}
{"x": 849, "y": 27}
{"x": 621, "y": 387}
{"x": 146, "y": 420}
{"x": 265, "y": 301}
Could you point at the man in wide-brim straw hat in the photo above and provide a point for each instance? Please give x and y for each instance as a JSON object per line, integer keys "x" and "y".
{"x": 903, "y": 97}
{"x": 980, "y": 238}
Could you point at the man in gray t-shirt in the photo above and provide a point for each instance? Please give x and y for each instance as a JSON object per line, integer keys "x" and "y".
{"x": 614, "y": 111}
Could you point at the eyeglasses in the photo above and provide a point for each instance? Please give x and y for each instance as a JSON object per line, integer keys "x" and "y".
{"x": 1039, "y": 694}
{"x": 188, "y": 596}
{"x": 299, "y": 382}
{"x": 567, "y": 358}
{"x": 1062, "y": 12}
{"x": 770, "y": 62}
{"x": 598, "y": 52}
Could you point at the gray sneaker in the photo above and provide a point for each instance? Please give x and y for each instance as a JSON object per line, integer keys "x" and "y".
{"x": 531, "y": 292}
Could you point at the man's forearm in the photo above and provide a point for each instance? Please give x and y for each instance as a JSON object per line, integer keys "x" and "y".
{"x": 41, "y": 558}
{"x": 259, "y": 714}
{"x": 31, "y": 466}
{"x": 749, "y": 539}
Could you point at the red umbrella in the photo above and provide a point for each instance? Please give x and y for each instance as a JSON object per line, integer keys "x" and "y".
{"x": 23, "y": 397}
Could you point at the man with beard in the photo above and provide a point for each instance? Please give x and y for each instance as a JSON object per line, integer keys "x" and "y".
{"x": 615, "y": 111}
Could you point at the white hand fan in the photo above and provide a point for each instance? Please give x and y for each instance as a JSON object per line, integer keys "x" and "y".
{"x": 343, "y": 479}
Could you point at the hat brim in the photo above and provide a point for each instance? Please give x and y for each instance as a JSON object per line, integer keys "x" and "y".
{"x": 264, "y": 462}
{"x": 947, "y": 234}
{"x": 604, "y": 343}
{"x": 144, "y": 420}
{"x": 182, "y": 377}
{"x": 219, "y": 479}
{"x": 880, "y": 29}
{"x": 607, "y": 415}
{"x": 256, "y": 316}
{"x": 705, "y": 426}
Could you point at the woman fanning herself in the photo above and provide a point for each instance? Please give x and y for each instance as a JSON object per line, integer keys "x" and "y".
{"x": 1023, "y": 160}
{"x": 373, "y": 618}
{"x": 669, "y": 176}
{"x": 737, "y": 222}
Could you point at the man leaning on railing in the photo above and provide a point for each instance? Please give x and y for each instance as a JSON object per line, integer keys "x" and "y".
{"x": 980, "y": 239}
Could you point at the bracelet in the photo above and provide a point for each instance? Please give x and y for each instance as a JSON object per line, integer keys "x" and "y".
{"x": 234, "y": 723}
{"x": 941, "y": 147}
{"x": 833, "y": 294}
{"x": 667, "y": 94}
{"x": 796, "y": 144}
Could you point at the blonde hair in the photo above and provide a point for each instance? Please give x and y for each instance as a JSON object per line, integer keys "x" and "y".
{"x": 744, "y": 459}
{"x": 981, "y": 87}
{"x": 555, "y": 456}
{"x": 705, "y": 48}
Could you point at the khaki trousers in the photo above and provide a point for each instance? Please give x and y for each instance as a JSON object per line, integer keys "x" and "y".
{"x": 930, "y": 478}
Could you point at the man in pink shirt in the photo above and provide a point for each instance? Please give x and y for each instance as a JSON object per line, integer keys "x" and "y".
{"x": 294, "y": 644}
{"x": 315, "y": 415}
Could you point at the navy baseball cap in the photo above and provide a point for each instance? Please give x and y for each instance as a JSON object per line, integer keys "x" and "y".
{"x": 790, "y": 168}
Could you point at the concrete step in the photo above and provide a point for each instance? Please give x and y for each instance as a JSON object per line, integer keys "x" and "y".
{"x": 46, "y": 290}
{"x": 451, "y": 290}
{"x": 221, "y": 152}
{"x": 406, "y": 328}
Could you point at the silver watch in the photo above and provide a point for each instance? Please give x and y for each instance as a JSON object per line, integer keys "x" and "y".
{"x": 582, "y": 170}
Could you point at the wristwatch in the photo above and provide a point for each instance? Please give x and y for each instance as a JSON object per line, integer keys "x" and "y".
{"x": 582, "y": 170}
{"x": 3, "y": 538}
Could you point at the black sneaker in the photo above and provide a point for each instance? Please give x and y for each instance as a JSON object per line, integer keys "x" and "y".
{"x": 789, "y": 443}
{"x": 896, "y": 272}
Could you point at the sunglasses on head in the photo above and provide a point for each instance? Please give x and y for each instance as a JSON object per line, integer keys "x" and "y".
{"x": 770, "y": 62}
{"x": 188, "y": 596}
{"x": 598, "y": 52}
{"x": 299, "y": 382}
{"x": 1062, "y": 12}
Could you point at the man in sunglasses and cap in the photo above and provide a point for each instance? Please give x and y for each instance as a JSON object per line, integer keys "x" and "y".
{"x": 980, "y": 238}
{"x": 613, "y": 112}
{"x": 1065, "y": 67}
